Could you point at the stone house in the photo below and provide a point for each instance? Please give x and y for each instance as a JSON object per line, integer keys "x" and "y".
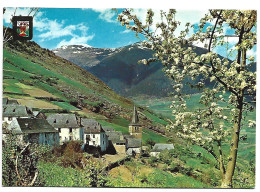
{"x": 159, "y": 147}
{"x": 33, "y": 131}
{"x": 12, "y": 112}
{"x": 67, "y": 126}
{"x": 133, "y": 146}
{"x": 6, "y": 101}
{"x": 117, "y": 141}
{"x": 94, "y": 135}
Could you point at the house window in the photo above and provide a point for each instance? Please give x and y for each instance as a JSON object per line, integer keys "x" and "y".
{"x": 93, "y": 142}
{"x": 67, "y": 121}
{"x": 70, "y": 138}
{"x": 46, "y": 142}
{"x": 103, "y": 136}
{"x": 103, "y": 142}
{"x": 54, "y": 121}
{"x": 9, "y": 118}
{"x": 93, "y": 136}
{"x": 70, "y": 130}
{"x": 59, "y": 129}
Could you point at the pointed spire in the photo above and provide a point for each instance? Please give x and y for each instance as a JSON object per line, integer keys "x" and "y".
{"x": 135, "y": 118}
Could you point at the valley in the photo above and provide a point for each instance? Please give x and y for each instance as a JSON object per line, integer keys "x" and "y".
{"x": 45, "y": 82}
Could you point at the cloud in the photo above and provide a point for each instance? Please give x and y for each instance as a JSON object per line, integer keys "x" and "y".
{"x": 107, "y": 15}
{"x": 9, "y": 13}
{"x": 126, "y": 31}
{"x": 56, "y": 30}
{"x": 38, "y": 22}
{"x": 184, "y": 16}
{"x": 76, "y": 40}
{"x": 53, "y": 29}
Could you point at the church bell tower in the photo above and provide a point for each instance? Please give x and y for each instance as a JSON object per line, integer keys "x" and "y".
{"x": 135, "y": 128}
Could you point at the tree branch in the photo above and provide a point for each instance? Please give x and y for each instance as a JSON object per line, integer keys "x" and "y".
{"x": 221, "y": 162}
{"x": 16, "y": 162}
{"x": 211, "y": 63}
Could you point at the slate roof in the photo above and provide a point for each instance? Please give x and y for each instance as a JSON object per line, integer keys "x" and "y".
{"x": 89, "y": 122}
{"x": 108, "y": 129}
{"x": 116, "y": 137}
{"x": 7, "y": 101}
{"x": 91, "y": 126}
{"x": 134, "y": 143}
{"x": 135, "y": 119}
{"x": 63, "y": 120}
{"x": 39, "y": 114}
{"x": 126, "y": 136}
{"x": 12, "y": 102}
{"x": 24, "y": 125}
{"x": 158, "y": 147}
{"x": 4, "y": 101}
{"x": 16, "y": 111}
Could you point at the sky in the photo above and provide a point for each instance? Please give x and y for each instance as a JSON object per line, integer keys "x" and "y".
{"x": 54, "y": 27}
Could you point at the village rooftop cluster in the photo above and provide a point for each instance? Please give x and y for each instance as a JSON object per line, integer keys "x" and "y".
{"x": 55, "y": 129}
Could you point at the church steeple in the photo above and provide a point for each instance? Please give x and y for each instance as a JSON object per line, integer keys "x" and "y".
{"x": 135, "y": 118}
{"x": 135, "y": 128}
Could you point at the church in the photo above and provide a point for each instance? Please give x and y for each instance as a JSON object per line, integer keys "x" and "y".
{"x": 134, "y": 140}
{"x": 135, "y": 128}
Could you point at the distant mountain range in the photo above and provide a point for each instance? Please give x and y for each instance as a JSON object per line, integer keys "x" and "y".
{"x": 120, "y": 70}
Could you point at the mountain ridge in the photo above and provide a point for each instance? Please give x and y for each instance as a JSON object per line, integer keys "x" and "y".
{"x": 120, "y": 70}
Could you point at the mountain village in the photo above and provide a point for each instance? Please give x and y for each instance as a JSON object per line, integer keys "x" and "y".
{"x": 55, "y": 129}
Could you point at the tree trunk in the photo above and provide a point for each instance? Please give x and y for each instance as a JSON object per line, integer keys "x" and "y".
{"x": 227, "y": 180}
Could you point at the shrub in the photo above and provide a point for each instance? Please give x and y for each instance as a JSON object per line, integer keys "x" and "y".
{"x": 96, "y": 172}
{"x": 54, "y": 175}
{"x": 165, "y": 156}
{"x": 152, "y": 161}
{"x": 174, "y": 167}
{"x": 19, "y": 162}
{"x": 72, "y": 155}
{"x": 149, "y": 142}
{"x": 77, "y": 169}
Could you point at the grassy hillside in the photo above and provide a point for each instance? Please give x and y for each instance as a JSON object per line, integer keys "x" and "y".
{"x": 247, "y": 147}
{"x": 36, "y": 77}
